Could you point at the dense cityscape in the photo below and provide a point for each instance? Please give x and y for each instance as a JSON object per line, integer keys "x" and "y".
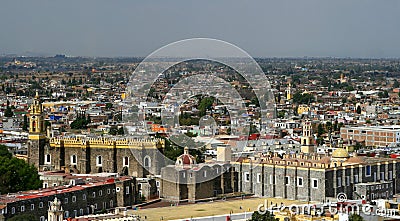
{"x": 68, "y": 152}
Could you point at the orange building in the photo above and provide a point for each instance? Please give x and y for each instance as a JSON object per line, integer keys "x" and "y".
{"x": 377, "y": 136}
{"x": 158, "y": 128}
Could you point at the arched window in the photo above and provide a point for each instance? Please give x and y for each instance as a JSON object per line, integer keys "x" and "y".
{"x": 73, "y": 160}
{"x": 47, "y": 159}
{"x": 147, "y": 161}
{"x": 125, "y": 161}
{"x": 99, "y": 161}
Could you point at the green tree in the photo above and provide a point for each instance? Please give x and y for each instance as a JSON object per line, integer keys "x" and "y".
{"x": 358, "y": 109}
{"x": 8, "y": 112}
{"x": 25, "y": 123}
{"x": 396, "y": 84}
{"x": 15, "y": 174}
{"x": 113, "y": 130}
{"x": 303, "y": 98}
{"x": 262, "y": 217}
{"x": 121, "y": 131}
{"x": 23, "y": 217}
{"x": 321, "y": 130}
{"x": 325, "y": 82}
{"x": 355, "y": 217}
{"x": 109, "y": 106}
{"x": 205, "y": 104}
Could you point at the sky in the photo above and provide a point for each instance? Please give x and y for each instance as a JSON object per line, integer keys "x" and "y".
{"x": 263, "y": 28}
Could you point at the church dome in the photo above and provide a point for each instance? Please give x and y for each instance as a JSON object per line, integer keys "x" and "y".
{"x": 185, "y": 159}
{"x": 340, "y": 153}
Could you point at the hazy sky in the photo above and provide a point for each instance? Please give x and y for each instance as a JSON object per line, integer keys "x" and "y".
{"x": 294, "y": 28}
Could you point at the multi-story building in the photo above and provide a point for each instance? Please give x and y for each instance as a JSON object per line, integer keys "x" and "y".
{"x": 375, "y": 136}
{"x": 315, "y": 177}
{"x": 95, "y": 194}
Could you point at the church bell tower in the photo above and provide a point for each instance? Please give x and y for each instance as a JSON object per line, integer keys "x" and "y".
{"x": 37, "y": 136}
{"x": 307, "y": 145}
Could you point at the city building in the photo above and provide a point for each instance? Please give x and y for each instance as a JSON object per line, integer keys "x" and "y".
{"x": 91, "y": 195}
{"x": 373, "y": 136}
{"x": 313, "y": 177}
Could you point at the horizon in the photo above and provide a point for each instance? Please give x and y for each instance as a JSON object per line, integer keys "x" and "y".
{"x": 308, "y": 28}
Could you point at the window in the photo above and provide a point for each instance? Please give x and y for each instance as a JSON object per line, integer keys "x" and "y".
{"x": 94, "y": 194}
{"x": 355, "y": 178}
{"x": 95, "y": 205}
{"x": 104, "y": 205}
{"x": 258, "y": 177}
{"x": 45, "y": 185}
{"x": 125, "y": 161}
{"x": 368, "y": 170}
{"x": 183, "y": 174}
{"x": 41, "y": 205}
{"x": 127, "y": 190}
{"x": 73, "y": 199}
{"x": 13, "y": 210}
{"x": 32, "y": 206}
{"x": 75, "y": 213}
{"x": 347, "y": 181}
{"x": 100, "y": 192}
{"x": 47, "y": 159}
{"x": 81, "y": 212}
{"x": 314, "y": 183}
{"x": 73, "y": 160}
{"x": 339, "y": 182}
{"x": 22, "y": 208}
{"x": 300, "y": 181}
{"x": 42, "y": 218}
{"x": 382, "y": 175}
{"x": 271, "y": 179}
{"x": 390, "y": 175}
{"x": 99, "y": 161}
{"x": 54, "y": 184}
{"x": 205, "y": 173}
{"x": 147, "y": 162}
{"x": 108, "y": 191}
{"x": 287, "y": 180}
{"x": 84, "y": 196}
{"x": 111, "y": 203}
{"x": 66, "y": 200}
{"x": 158, "y": 183}
{"x": 66, "y": 214}
{"x": 247, "y": 177}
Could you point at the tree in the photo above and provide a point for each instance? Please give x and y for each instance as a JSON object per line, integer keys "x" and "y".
{"x": 267, "y": 216}
{"x": 109, "y": 106}
{"x": 23, "y": 217}
{"x": 205, "y": 104}
{"x": 355, "y": 217}
{"x": 8, "y": 112}
{"x": 25, "y": 124}
{"x": 396, "y": 84}
{"x": 321, "y": 130}
{"x": 15, "y": 174}
{"x": 113, "y": 130}
{"x": 303, "y": 98}
{"x": 325, "y": 82}
{"x": 358, "y": 109}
